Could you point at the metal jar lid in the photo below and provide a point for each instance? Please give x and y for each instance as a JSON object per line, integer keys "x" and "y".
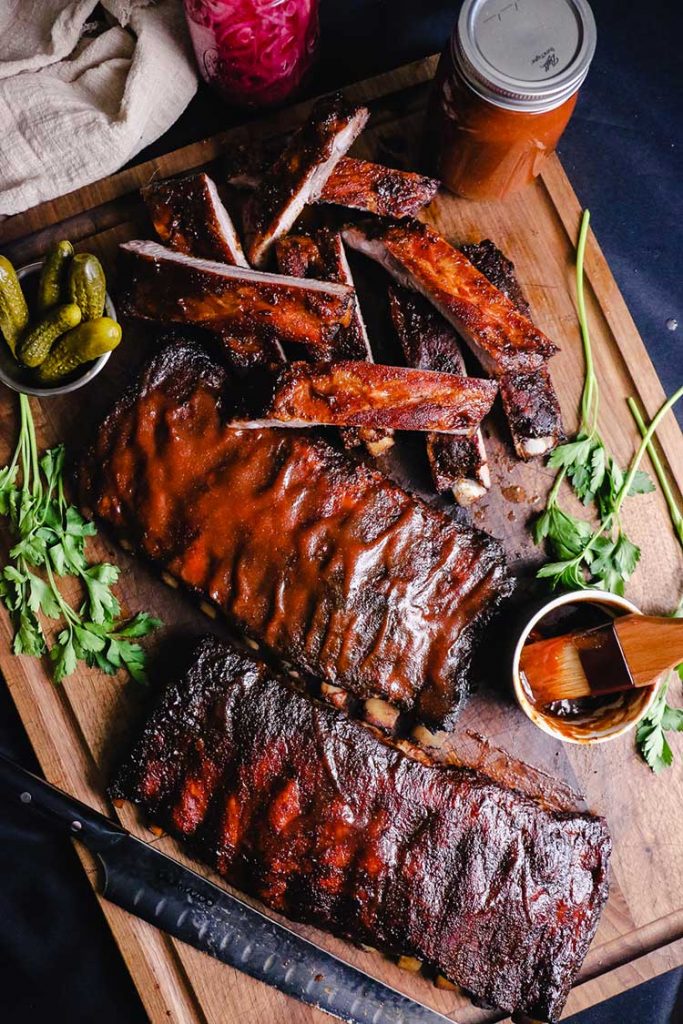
{"x": 527, "y": 55}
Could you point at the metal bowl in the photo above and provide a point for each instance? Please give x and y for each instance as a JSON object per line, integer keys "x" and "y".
{"x": 20, "y": 378}
{"x": 619, "y": 714}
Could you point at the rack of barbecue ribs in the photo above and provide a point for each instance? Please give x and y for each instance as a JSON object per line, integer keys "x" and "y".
{"x": 170, "y": 287}
{"x": 355, "y": 184}
{"x": 355, "y": 394}
{"x": 502, "y": 338}
{"x": 298, "y": 175}
{"x": 323, "y": 257}
{"x": 430, "y": 343}
{"x": 323, "y": 561}
{"x": 188, "y": 216}
{"x": 321, "y": 819}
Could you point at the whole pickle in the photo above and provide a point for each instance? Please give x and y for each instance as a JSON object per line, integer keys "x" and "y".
{"x": 53, "y": 276}
{"x": 35, "y": 345}
{"x": 13, "y": 308}
{"x": 87, "y": 286}
{"x": 84, "y": 343}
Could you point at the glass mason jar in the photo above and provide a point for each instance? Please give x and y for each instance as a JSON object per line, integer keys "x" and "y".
{"x": 253, "y": 52}
{"x": 505, "y": 88}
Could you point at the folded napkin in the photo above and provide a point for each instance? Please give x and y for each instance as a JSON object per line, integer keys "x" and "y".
{"x": 79, "y": 99}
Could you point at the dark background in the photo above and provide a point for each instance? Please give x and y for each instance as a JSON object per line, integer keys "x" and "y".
{"x": 622, "y": 153}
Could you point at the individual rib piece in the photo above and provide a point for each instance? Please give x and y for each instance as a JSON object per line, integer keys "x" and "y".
{"x": 355, "y": 394}
{"x": 501, "y": 338}
{"x": 529, "y": 399}
{"x": 324, "y": 257}
{"x": 305, "y": 809}
{"x": 300, "y": 172}
{"x": 429, "y": 342}
{"x": 373, "y": 188}
{"x": 161, "y": 285}
{"x": 188, "y": 215}
{"x": 356, "y": 184}
{"x": 328, "y": 563}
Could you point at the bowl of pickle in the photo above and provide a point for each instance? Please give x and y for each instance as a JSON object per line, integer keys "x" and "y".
{"x": 57, "y": 321}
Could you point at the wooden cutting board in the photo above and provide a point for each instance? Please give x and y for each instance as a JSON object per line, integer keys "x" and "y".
{"x": 79, "y": 730}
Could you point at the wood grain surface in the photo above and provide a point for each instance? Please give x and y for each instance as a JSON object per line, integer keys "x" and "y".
{"x": 80, "y": 729}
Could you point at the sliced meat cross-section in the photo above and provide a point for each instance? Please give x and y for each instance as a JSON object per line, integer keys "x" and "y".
{"x": 299, "y": 174}
{"x": 161, "y": 285}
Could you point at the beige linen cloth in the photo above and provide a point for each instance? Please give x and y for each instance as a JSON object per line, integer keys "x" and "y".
{"x": 77, "y": 99}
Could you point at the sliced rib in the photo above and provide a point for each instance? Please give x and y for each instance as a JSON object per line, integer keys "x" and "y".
{"x": 326, "y": 562}
{"x": 355, "y": 394}
{"x": 430, "y": 343}
{"x": 323, "y": 257}
{"x": 529, "y": 399}
{"x": 298, "y": 175}
{"x": 355, "y": 184}
{"x": 188, "y": 216}
{"x": 305, "y": 809}
{"x": 162, "y": 285}
{"x": 501, "y": 338}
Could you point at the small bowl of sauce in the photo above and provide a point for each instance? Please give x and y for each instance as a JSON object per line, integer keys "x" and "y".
{"x": 593, "y": 719}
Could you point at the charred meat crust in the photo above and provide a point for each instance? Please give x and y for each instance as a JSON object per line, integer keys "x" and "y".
{"x": 188, "y": 215}
{"x": 322, "y": 257}
{"x": 355, "y": 184}
{"x": 500, "y": 271}
{"x": 165, "y": 286}
{"x": 532, "y": 411}
{"x": 429, "y": 342}
{"x": 356, "y": 394}
{"x": 300, "y": 172}
{"x": 323, "y": 821}
{"x": 529, "y": 399}
{"x": 419, "y": 258}
{"x": 326, "y": 563}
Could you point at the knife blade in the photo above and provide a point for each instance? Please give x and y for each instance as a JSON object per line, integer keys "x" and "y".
{"x": 160, "y": 890}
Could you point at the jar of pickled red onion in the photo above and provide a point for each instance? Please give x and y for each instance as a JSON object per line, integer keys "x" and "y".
{"x": 254, "y": 52}
{"x": 505, "y": 88}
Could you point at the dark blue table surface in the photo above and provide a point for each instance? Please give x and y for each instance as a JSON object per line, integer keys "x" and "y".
{"x": 621, "y": 150}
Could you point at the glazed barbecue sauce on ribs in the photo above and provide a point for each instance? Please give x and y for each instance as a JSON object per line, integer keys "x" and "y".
{"x": 328, "y": 563}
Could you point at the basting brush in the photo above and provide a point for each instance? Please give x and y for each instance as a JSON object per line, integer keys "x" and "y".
{"x": 631, "y": 651}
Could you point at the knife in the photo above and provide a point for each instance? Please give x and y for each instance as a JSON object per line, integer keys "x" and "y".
{"x": 175, "y": 899}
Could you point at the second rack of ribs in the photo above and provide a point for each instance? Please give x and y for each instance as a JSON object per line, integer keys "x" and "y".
{"x": 326, "y": 563}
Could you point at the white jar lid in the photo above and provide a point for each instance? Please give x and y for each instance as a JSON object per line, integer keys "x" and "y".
{"x": 527, "y": 55}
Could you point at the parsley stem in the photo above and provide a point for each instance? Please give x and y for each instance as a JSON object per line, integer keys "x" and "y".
{"x": 555, "y": 489}
{"x": 590, "y": 399}
{"x": 674, "y": 510}
{"x": 65, "y": 608}
{"x": 647, "y": 438}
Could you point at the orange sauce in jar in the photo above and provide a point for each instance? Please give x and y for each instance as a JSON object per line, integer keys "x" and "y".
{"x": 505, "y": 89}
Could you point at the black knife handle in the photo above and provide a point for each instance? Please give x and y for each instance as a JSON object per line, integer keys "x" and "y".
{"x": 62, "y": 811}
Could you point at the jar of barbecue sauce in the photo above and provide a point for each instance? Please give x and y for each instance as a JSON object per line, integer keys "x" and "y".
{"x": 505, "y": 88}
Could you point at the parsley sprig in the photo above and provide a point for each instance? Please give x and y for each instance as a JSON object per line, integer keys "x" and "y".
{"x": 49, "y": 535}
{"x": 584, "y": 555}
{"x": 650, "y": 734}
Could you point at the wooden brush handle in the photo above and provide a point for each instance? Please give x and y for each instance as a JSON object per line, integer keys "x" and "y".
{"x": 651, "y": 644}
